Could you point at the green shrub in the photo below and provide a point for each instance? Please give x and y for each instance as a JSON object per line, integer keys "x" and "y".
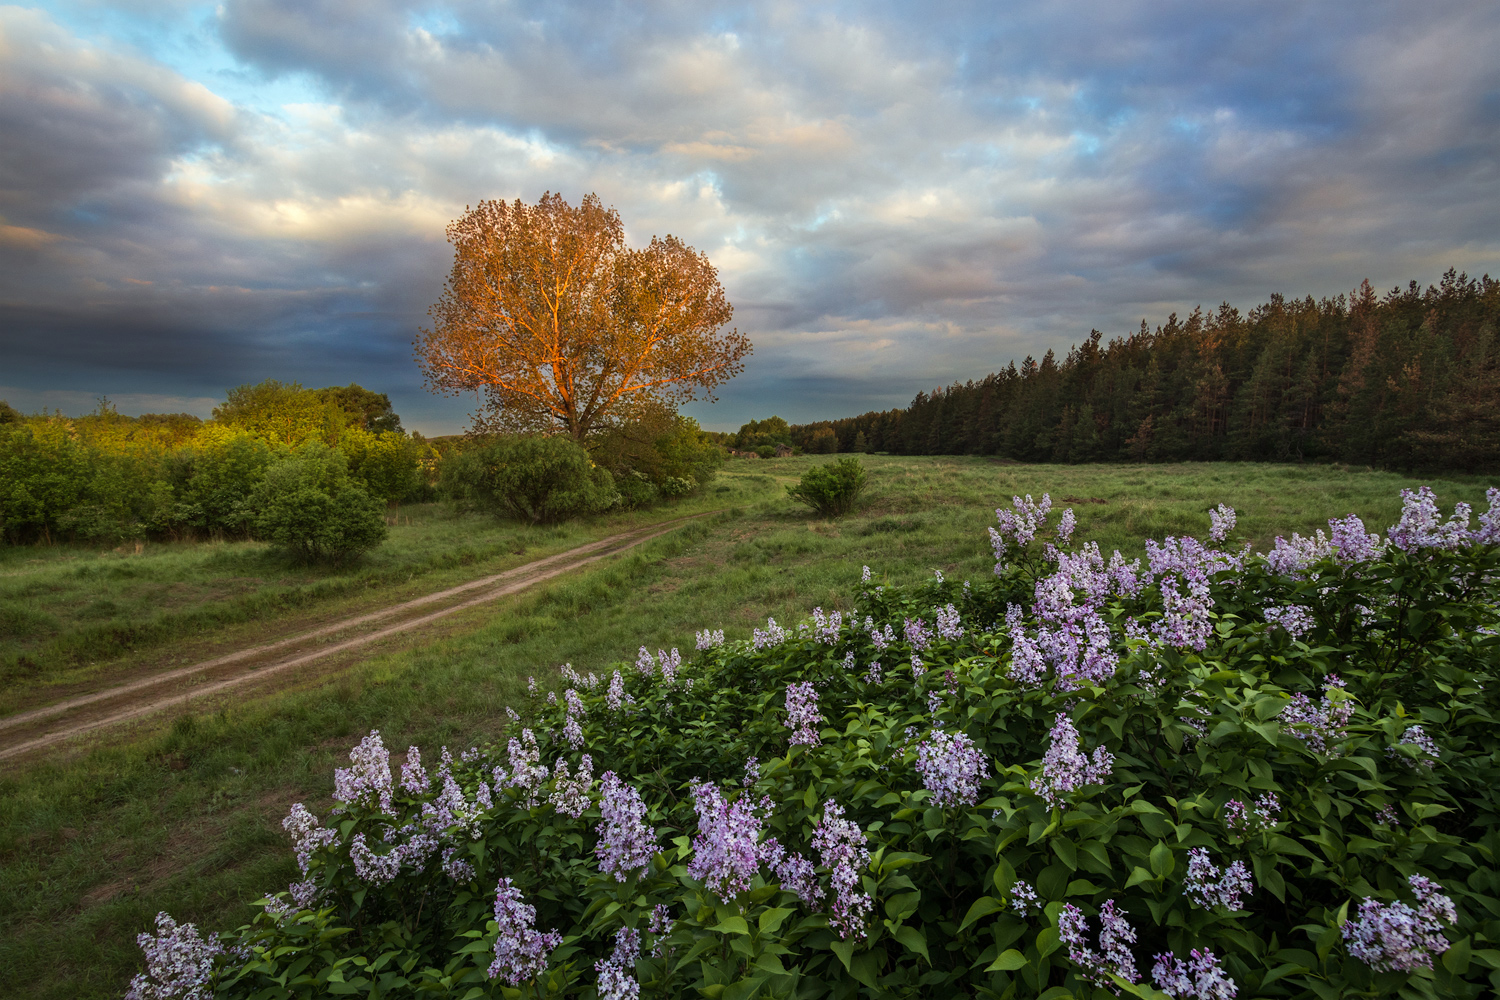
{"x": 833, "y": 489}
{"x": 660, "y": 447}
{"x": 1241, "y": 762}
{"x": 538, "y": 479}
{"x": 386, "y": 463}
{"x": 636, "y": 490}
{"x": 309, "y": 505}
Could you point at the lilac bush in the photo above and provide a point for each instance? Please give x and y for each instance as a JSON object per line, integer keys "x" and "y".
{"x": 951, "y": 768}
{"x": 1397, "y": 937}
{"x": 521, "y": 950}
{"x": 1065, "y": 768}
{"x": 179, "y": 963}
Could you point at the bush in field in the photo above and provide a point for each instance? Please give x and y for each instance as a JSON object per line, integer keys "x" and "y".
{"x": 538, "y": 479}
{"x": 212, "y": 478}
{"x": 658, "y": 447}
{"x": 1205, "y": 774}
{"x": 308, "y": 504}
{"x": 833, "y": 489}
{"x": 387, "y": 463}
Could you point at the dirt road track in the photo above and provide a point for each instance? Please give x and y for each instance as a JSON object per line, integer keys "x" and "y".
{"x": 39, "y": 728}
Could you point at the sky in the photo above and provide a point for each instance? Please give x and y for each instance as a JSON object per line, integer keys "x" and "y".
{"x": 195, "y": 196}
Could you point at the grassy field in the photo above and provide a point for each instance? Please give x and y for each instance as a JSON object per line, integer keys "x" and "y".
{"x": 186, "y": 818}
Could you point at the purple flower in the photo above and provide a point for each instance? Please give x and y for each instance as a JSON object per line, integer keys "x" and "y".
{"x": 1294, "y": 619}
{"x": 774, "y": 635}
{"x": 1023, "y": 899}
{"x": 520, "y": 951}
{"x": 1221, "y": 522}
{"x": 573, "y": 732}
{"x": 951, "y": 767}
{"x": 1020, "y": 524}
{"x": 616, "y": 697}
{"x": 645, "y": 665}
{"x": 1319, "y": 724}
{"x": 1185, "y": 621}
{"x": 865, "y": 576}
{"x": 1243, "y": 820}
{"x": 1065, "y": 526}
{"x": 1386, "y": 816}
{"x": 872, "y": 676}
{"x": 307, "y": 836}
{"x": 882, "y": 638}
{"x": 826, "y": 628}
{"x": 918, "y": 635}
{"x": 526, "y": 771}
{"x": 802, "y": 714}
{"x": 797, "y": 876}
{"x": 1427, "y": 748}
{"x": 1208, "y": 888}
{"x": 1422, "y": 527}
{"x": 1199, "y": 978}
{"x": 1113, "y": 957}
{"x": 1351, "y": 544}
{"x": 727, "y": 850}
{"x": 1065, "y": 769}
{"x": 626, "y": 842}
{"x": 179, "y": 963}
{"x": 616, "y": 973}
{"x": 570, "y": 795}
{"x": 372, "y": 868}
{"x": 455, "y": 867}
{"x": 709, "y": 638}
{"x": 1398, "y": 937}
{"x": 413, "y": 776}
{"x": 840, "y": 844}
{"x": 949, "y": 624}
{"x": 659, "y": 926}
{"x": 669, "y": 663}
{"x": 1488, "y": 532}
{"x": 368, "y": 781}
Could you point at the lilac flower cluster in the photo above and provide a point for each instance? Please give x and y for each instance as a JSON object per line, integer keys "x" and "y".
{"x": 1397, "y": 937}
{"x": 1426, "y": 746}
{"x": 950, "y": 625}
{"x": 727, "y": 851}
{"x": 709, "y": 638}
{"x": 570, "y": 795}
{"x": 307, "y": 836}
{"x": 520, "y": 951}
{"x": 413, "y": 774}
{"x": 1023, "y": 899}
{"x": 616, "y": 698}
{"x": 1113, "y": 957}
{"x": 1421, "y": 525}
{"x": 1207, "y": 887}
{"x": 1221, "y": 521}
{"x": 179, "y": 963}
{"x": 1243, "y": 820}
{"x": 1319, "y": 724}
{"x": 802, "y": 716}
{"x": 1292, "y": 558}
{"x": 1065, "y": 769}
{"x": 873, "y": 674}
{"x": 626, "y": 842}
{"x": 918, "y": 635}
{"x": 796, "y": 874}
{"x": 774, "y": 635}
{"x": 951, "y": 767}
{"x": 840, "y": 844}
{"x": 1351, "y": 543}
{"x": 1488, "y": 532}
{"x": 1199, "y": 978}
{"x": 1293, "y": 619}
{"x": 827, "y": 628}
{"x": 882, "y": 638}
{"x": 368, "y": 781}
{"x": 455, "y": 867}
{"x": 372, "y": 868}
{"x": 1066, "y": 525}
{"x": 616, "y": 973}
{"x": 526, "y": 770}
{"x": 1020, "y": 524}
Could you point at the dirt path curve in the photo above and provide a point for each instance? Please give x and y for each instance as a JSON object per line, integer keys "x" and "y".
{"x": 39, "y": 728}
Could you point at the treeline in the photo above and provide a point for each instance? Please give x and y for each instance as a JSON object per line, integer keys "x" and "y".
{"x": 310, "y": 469}
{"x": 1410, "y": 380}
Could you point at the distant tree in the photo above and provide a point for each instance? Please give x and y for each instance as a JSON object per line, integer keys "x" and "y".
{"x": 367, "y": 410}
{"x": 8, "y": 413}
{"x": 281, "y": 411}
{"x": 563, "y": 327}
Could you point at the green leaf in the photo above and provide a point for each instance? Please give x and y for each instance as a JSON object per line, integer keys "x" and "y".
{"x": 732, "y": 925}
{"x": 1065, "y": 852}
{"x": 1162, "y": 861}
{"x": 771, "y": 919}
{"x": 1005, "y": 876}
{"x": 983, "y": 907}
{"x": 745, "y": 989}
{"x": 914, "y": 939}
{"x": 1009, "y": 960}
{"x": 1456, "y": 958}
{"x": 845, "y": 951}
{"x": 1047, "y": 941}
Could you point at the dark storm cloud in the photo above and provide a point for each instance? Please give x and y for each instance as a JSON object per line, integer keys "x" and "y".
{"x": 896, "y": 196}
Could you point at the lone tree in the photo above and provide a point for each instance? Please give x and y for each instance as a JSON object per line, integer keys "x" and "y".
{"x": 565, "y": 328}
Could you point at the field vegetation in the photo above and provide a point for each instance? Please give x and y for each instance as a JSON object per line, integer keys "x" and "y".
{"x": 186, "y": 818}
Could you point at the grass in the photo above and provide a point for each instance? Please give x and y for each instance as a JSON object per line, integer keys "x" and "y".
{"x": 186, "y": 817}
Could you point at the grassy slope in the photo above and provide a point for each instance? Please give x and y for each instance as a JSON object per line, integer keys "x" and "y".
{"x": 187, "y": 819}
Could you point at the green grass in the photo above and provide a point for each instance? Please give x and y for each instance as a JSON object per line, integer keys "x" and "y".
{"x": 186, "y": 818}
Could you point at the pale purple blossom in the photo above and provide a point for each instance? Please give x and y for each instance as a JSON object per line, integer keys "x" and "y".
{"x": 1421, "y": 525}
{"x": 1199, "y": 978}
{"x": 372, "y": 868}
{"x": 645, "y": 663}
{"x": 526, "y": 771}
{"x": 1207, "y": 887}
{"x": 1023, "y": 899}
{"x": 616, "y": 697}
{"x": 570, "y": 795}
{"x": 1243, "y": 820}
{"x": 367, "y": 782}
{"x": 1293, "y": 558}
{"x": 826, "y": 628}
{"x": 307, "y": 835}
{"x": 1351, "y": 543}
{"x": 616, "y": 973}
{"x": 797, "y": 875}
{"x": 841, "y": 847}
{"x": 1398, "y": 937}
{"x": 1185, "y": 621}
{"x": 882, "y": 637}
{"x": 1488, "y": 532}
{"x": 179, "y": 963}
{"x": 1066, "y": 526}
{"x": 669, "y": 663}
{"x": 627, "y": 843}
{"x": 872, "y": 675}
{"x": 1427, "y": 748}
{"x": 727, "y": 850}
{"x": 574, "y": 703}
{"x": 950, "y": 624}
{"x": 1319, "y": 724}
{"x": 802, "y": 714}
{"x": 413, "y": 775}
{"x": 1293, "y": 619}
{"x": 951, "y": 767}
{"x": 303, "y": 893}
{"x": 1020, "y": 524}
{"x": 520, "y": 950}
{"x": 573, "y": 732}
{"x": 1221, "y": 522}
{"x": 918, "y": 668}
{"x": 1386, "y": 816}
{"x": 917, "y": 634}
{"x": 455, "y": 867}
{"x": 709, "y": 638}
{"x": 934, "y": 702}
{"x": 1065, "y": 768}
{"x": 865, "y": 576}
{"x": 1112, "y": 958}
{"x": 774, "y": 635}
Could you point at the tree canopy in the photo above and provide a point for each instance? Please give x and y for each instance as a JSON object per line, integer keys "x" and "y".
{"x": 563, "y": 327}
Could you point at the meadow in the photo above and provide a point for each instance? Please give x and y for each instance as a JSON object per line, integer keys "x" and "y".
{"x": 185, "y": 816}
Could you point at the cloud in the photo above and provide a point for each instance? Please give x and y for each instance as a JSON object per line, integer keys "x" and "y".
{"x": 895, "y": 197}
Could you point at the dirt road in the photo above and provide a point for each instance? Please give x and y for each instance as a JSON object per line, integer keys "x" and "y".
{"x": 39, "y": 728}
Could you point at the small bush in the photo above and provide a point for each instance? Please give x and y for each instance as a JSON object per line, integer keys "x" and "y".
{"x": 540, "y": 479}
{"x": 636, "y": 490}
{"x": 309, "y": 505}
{"x": 833, "y": 489}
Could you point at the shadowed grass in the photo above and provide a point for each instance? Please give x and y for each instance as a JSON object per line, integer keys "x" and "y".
{"x": 186, "y": 818}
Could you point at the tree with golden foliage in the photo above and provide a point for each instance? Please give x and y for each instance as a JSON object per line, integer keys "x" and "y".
{"x": 565, "y": 328}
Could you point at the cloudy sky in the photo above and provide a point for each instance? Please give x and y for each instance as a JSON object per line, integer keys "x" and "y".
{"x": 195, "y": 195}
